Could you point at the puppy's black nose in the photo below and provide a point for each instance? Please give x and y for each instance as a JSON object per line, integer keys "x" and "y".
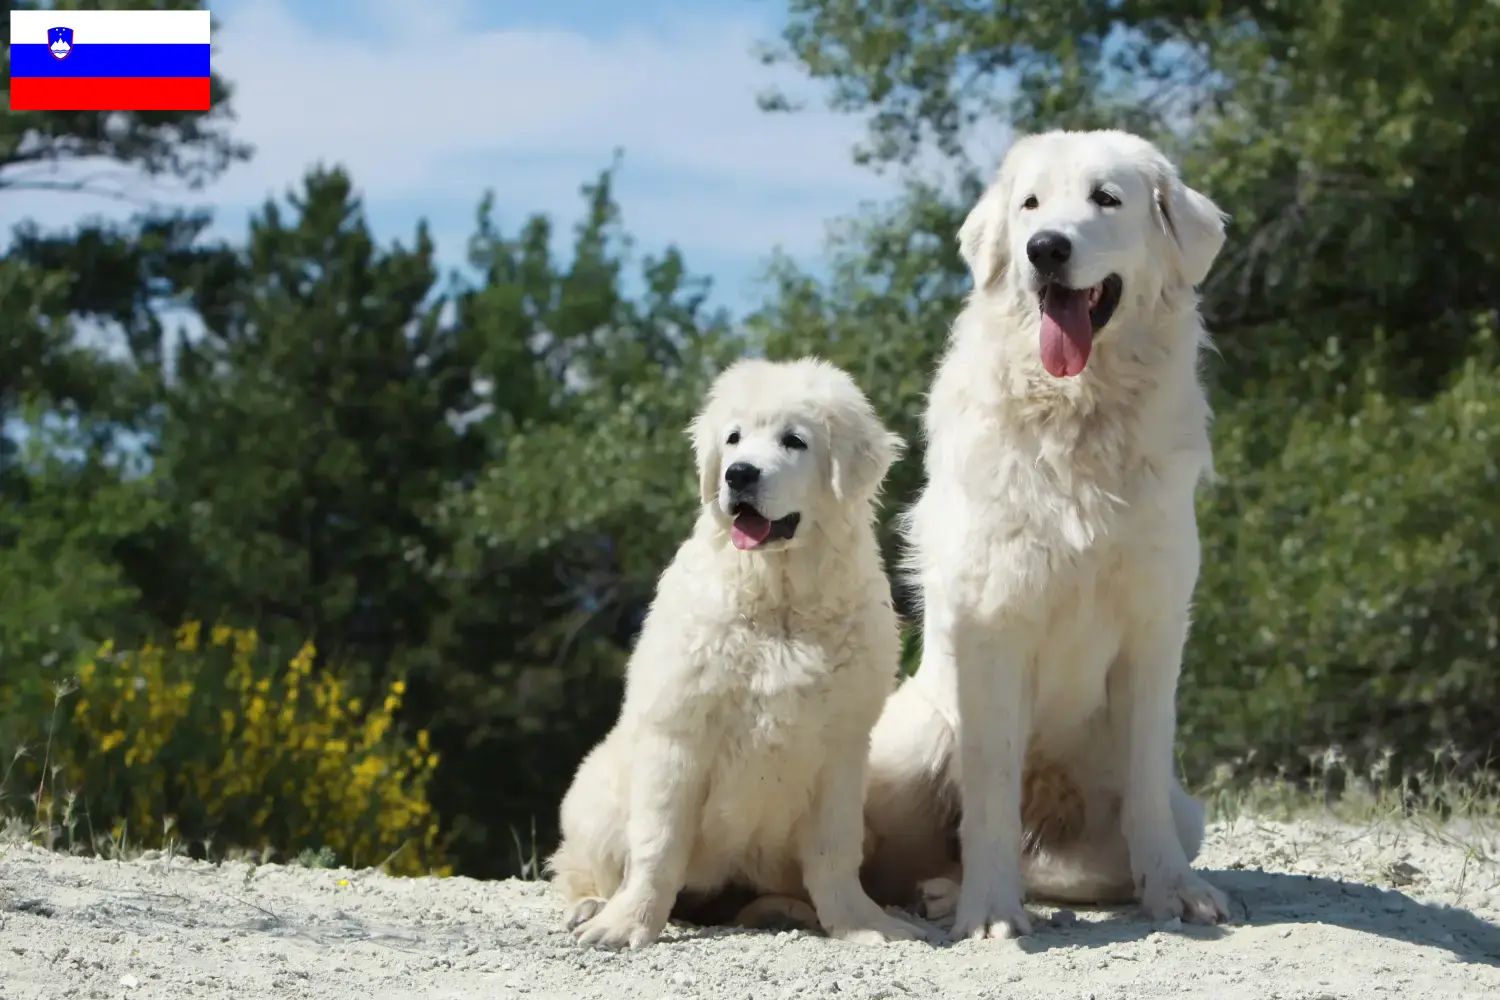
{"x": 1048, "y": 251}
{"x": 741, "y": 476}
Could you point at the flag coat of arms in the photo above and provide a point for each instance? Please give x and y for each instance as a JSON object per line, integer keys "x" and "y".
{"x": 109, "y": 60}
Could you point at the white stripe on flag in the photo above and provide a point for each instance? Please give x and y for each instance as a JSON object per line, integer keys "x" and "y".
{"x": 112, "y": 27}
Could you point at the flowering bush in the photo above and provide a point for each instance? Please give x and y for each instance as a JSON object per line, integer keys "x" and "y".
{"x": 212, "y": 741}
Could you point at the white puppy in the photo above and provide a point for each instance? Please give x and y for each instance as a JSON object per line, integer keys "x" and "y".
{"x": 739, "y": 756}
{"x": 1056, "y": 548}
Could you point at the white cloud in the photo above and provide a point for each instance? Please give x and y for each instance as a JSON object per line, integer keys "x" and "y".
{"x": 433, "y": 112}
{"x": 426, "y": 116}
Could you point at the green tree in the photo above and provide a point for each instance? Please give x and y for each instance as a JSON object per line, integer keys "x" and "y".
{"x": 1352, "y": 150}
{"x": 69, "y": 495}
{"x": 586, "y": 490}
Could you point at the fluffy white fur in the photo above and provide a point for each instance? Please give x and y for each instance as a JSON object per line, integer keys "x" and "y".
{"x": 739, "y": 756}
{"x": 1056, "y": 549}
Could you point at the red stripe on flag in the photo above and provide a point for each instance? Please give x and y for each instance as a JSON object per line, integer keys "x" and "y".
{"x": 109, "y": 94}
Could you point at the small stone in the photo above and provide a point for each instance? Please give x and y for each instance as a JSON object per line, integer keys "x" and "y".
{"x": 1402, "y": 873}
{"x": 1064, "y": 918}
{"x": 682, "y": 979}
{"x": 1284, "y": 932}
{"x": 129, "y": 982}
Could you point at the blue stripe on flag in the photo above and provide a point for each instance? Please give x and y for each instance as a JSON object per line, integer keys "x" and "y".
{"x": 110, "y": 61}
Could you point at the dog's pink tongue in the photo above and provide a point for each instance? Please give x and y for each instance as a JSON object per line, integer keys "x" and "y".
{"x": 1067, "y": 331}
{"x": 749, "y": 530}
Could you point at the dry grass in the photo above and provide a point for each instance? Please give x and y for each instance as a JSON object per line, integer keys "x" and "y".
{"x": 1453, "y": 806}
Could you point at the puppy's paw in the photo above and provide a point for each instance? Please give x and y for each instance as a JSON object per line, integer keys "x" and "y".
{"x": 778, "y": 913}
{"x": 990, "y": 912}
{"x": 584, "y": 909}
{"x": 616, "y": 926}
{"x": 877, "y": 927}
{"x": 939, "y": 902}
{"x": 1186, "y": 895}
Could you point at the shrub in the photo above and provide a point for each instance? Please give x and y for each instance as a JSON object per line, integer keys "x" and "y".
{"x": 217, "y": 742}
{"x": 1350, "y": 596}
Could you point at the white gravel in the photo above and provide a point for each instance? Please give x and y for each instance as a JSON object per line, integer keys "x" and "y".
{"x": 1324, "y": 911}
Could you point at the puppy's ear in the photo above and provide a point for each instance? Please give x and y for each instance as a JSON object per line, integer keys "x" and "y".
{"x": 1193, "y": 224}
{"x": 861, "y": 452}
{"x": 710, "y": 455}
{"x": 983, "y": 239}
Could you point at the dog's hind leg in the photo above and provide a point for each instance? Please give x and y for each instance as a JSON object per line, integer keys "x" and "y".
{"x": 911, "y": 801}
{"x": 584, "y": 883}
{"x": 589, "y": 865}
{"x": 1095, "y": 867}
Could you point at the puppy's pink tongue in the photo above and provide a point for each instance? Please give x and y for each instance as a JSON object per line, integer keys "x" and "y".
{"x": 749, "y": 530}
{"x": 1067, "y": 331}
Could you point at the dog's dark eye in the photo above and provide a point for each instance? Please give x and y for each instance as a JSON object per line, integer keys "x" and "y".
{"x": 1104, "y": 199}
{"x": 733, "y": 438}
{"x": 1030, "y": 202}
{"x": 793, "y": 442}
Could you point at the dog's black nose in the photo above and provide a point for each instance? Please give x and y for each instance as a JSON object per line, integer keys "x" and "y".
{"x": 1048, "y": 251}
{"x": 741, "y": 476}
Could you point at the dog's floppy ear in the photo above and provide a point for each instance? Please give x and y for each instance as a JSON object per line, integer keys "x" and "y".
{"x": 710, "y": 455}
{"x": 983, "y": 239}
{"x": 1192, "y": 222}
{"x": 861, "y": 451}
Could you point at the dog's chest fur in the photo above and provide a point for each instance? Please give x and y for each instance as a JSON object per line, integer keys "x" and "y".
{"x": 800, "y": 686}
{"x": 787, "y": 667}
{"x": 1056, "y": 471}
{"x": 1061, "y": 507}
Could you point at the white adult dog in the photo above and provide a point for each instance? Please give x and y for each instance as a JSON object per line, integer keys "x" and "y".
{"x": 1056, "y": 548}
{"x": 740, "y": 753}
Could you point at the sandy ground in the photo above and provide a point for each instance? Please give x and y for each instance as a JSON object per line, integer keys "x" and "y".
{"x": 1323, "y": 911}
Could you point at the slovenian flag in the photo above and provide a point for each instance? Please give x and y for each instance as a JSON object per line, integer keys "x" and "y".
{"x": 109, "y": 60}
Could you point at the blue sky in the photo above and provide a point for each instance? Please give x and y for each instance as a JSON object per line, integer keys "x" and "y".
{"x": 430, "y": 102}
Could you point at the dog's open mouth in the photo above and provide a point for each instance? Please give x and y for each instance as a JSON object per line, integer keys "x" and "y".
{"x": 1070, "y": 319}
{"x": 752, "y": 529}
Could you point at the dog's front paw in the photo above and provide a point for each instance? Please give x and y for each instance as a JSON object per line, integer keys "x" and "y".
{"x": 778, "y": 913}
{"x": 990, "y": 912}
{"x": 1186, "y": 895}
{"x": 878, "y": 927}
{"x": 581, "y": 911}
{"x": 616, "y": 926}
{"x": 939, "y": 901}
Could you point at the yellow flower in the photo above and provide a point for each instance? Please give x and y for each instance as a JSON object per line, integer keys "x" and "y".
{"x": 269, "y": 767}
{"x": 187, "y": 637}
{"x": 303, "y": 661}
